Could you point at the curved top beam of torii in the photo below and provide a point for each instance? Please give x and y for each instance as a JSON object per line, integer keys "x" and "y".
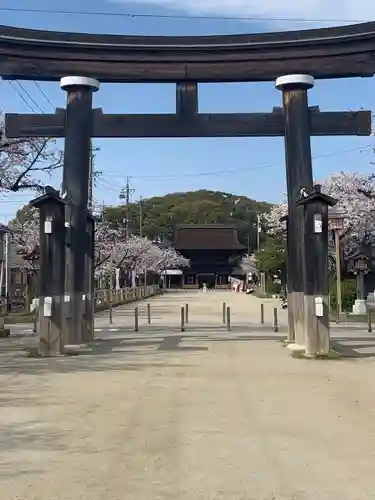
{"x": 345, "y": 51}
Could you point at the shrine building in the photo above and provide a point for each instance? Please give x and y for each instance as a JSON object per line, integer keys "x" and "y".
{"x": 214, "y": 252}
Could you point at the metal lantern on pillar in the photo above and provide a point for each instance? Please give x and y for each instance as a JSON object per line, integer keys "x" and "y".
{"x": 336, "y": 217}
{"x": 52, "y": 271}
{"x": 315, "y": 251}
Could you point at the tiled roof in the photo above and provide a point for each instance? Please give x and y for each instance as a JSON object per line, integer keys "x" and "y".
{"x": 4, "y": 229}
{"x": 207, "y": 237}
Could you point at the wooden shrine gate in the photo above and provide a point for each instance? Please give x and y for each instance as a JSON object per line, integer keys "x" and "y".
{"x": 80, "y": 61}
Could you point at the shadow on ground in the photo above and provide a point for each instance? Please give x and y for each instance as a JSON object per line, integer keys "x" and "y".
{"x": 154, "y": 346}
{"x": 354, "y": 347}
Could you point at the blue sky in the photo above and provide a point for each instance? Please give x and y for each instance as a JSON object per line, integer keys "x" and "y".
{"x": 251, "y": 167}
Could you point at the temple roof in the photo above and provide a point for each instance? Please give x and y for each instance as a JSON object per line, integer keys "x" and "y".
{"x": 4, "y": 229}
{"x": 207, "y": 237}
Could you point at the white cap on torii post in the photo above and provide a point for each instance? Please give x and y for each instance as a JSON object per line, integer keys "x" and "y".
{"x": 300, "y": 81}
{"x": 79, "y": 81}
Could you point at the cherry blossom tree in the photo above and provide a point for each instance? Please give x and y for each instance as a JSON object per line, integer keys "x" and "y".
{"x": 248, "y": 264}
{"x": 351, "y": 189}
{"x": 136, "y": 254}
{"x": 158, "y": 259}
{"x": 272, "y": 218}
{"x": 113, "y": 249}
{"x": 24, "y": 161}
{"x": 25, "y": 231}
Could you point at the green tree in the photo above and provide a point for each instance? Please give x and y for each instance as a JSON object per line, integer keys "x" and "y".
{"x": 271, "y": 259}
{"x": 162, "y": 214}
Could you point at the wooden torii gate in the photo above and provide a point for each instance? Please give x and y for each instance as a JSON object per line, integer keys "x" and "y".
{"x": 75, "y": 58}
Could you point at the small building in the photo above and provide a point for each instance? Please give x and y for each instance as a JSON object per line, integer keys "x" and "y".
{"x": 214, "y": 252}
{"x": 17, "y": 276}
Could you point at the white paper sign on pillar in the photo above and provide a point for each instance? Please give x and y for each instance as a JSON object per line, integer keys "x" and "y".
{"x": 117, "y": 275}
{"x": 319, "y": 307}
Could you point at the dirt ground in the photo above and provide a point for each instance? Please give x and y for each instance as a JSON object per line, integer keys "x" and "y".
{"x": 201, "y": 415}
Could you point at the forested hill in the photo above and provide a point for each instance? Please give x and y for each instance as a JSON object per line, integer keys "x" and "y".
{"x": 163, "y": 213}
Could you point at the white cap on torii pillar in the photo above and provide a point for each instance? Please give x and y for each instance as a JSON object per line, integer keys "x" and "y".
{"x": 295, "y": 81}
{"x": 79, "y": 81}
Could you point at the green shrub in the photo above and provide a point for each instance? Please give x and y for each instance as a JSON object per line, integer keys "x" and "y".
{"x": 273, "y": 288}
{"x": 348, "y": 293}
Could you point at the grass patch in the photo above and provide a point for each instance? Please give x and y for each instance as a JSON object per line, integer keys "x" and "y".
{"x": 33, "y": 352}
{"x": 332, "y": 355}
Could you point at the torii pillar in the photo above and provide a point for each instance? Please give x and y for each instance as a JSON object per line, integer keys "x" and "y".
{"x": 78, "y": 133}
{"x": 299, "y": 177}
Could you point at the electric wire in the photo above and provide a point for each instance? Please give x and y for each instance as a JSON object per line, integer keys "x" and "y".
{"x": 238, "y": 170}
{"x": 133, "y": 15}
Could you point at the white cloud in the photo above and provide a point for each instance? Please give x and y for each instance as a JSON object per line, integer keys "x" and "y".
{"x": 310, "y": 9}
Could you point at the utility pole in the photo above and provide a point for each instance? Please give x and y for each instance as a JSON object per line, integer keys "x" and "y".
{"x": 91, "y": 168}
{"x": 141, "y": 236}
{"x": 128, "y": 192}
{"x": 140, "y": 218}
{"x": 258, "y": 232}
{"x": 7, "y": 267}
{"x": 91, "y": 174}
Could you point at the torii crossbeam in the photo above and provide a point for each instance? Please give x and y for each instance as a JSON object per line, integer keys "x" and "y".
{"x": 187, "y": 122}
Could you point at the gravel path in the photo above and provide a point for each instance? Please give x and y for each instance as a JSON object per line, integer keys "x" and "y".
{"x": 205, "y": 415}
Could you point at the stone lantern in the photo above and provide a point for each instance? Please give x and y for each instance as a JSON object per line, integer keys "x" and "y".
{"x": 360, "y": 261}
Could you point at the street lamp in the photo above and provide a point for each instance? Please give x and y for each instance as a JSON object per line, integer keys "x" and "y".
{"x": 336, "y": 219}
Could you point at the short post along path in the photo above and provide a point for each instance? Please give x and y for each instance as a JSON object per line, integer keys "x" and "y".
{"x": 205, "y": 310}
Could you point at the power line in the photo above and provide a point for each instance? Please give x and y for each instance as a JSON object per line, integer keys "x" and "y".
{"x": 29, "y": 96}
{"x": 44, "y": 95}
{"x": 21, "y": 96}
{"x": 27, "y": 93}
{"x": 244, "y": 169}
{"x": 134, "y": 15}
{"x": 106, "y": 185}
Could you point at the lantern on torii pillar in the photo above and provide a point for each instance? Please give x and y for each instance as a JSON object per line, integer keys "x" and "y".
{"x": 316, "y": 286}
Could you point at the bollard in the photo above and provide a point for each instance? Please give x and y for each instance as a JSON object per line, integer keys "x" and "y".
{"x": 182, "y": 318}
{"x": 35, "y": 320}
{"x": 149, "y": 313}
{"x": 186, "y": 313}
{"x": 136, "y": 319}
{"x": 369, "y": 322}
{"x": 262, "y": 314}
{"x": 275, "y": 325}
{"x": 224, "y": 312}
{"x": 228, "y": 319}
{"x": 110, "y": 309}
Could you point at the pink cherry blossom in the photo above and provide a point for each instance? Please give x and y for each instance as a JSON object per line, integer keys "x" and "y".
{"x": 24, "y": 161}
{"x": 359, "y": 222}
{"x": 113, "y": 249}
